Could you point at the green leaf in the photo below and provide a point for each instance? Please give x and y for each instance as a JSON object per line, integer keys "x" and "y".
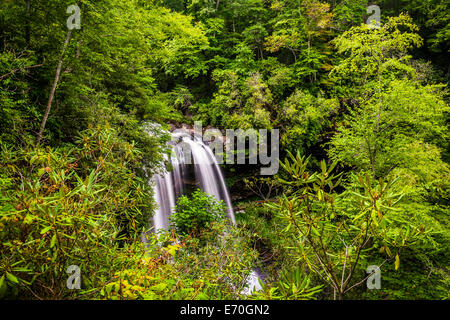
{"x": 159, "y": 287}
{"x": 53, "y": 241}
{"x": 46, "y": 229}
{"x": 3, "y": 287}
{"x": 323, "y": 166}
{"x": 12, "y": 278}
{"x": 202, "y": 296}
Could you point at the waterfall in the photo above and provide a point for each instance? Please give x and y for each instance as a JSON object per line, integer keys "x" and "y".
{"x": 179, "y": 170}
{"x": 208, "y": 172}
{"x": 168, "y": 186}
{"x": 165, "y": 198}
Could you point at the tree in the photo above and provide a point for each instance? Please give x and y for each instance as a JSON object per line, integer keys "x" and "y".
{"x": 297, "y": 28}
{"x": 52, "y": 92}
{"x": 378, "y": 135}
{"x": 434, "y": 23}
{"x": 304, "y": 118}
{"x": 375, "y": 57}
{"x": 332, "y": 232}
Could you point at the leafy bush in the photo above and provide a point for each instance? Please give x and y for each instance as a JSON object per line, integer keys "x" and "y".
{"x": 79, "y": 205}
{"x": 194, "y": 214}
{"x": 334, "y": 231}
{"x": 188, "y": 268}
{"x": 293, "y": 285}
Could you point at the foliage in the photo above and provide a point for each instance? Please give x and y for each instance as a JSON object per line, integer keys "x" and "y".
{"x": 375, "y": 51}
{"x": 184, "y": 270}
{"x": 333, "y": 231}
{"x": 69, "y": 206}
{"x": 194, "y": 214}
{"x": 264, "y": 188}
{"x": 372, "y": 101}
{"x": 304, "y": 118}
{"x": 378, "y": 136}
{"x": 292, "y": 286}
{"x": 238, "y": 104}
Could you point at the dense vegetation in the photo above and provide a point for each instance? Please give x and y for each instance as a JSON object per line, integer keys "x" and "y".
{"x": 363, "y": 119}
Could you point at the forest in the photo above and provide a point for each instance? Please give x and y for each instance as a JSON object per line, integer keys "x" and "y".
{"x": 357, "y": 91}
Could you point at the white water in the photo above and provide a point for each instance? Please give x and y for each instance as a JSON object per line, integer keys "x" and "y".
{"x": 252, "y": 283}
{"x": 208, "y": 172}
{"x": 165, "y": 198}
{"x": 168, "y": 186}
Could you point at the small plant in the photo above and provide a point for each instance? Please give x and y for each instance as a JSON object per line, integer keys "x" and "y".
{"x": 264, "y": 188}
{"x": 293, "y": 285}
{"x": 195, "y": 213}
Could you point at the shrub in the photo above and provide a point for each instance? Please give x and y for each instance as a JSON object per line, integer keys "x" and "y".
{"x": 194, "y": 214}
{"x": 76, "y": 205}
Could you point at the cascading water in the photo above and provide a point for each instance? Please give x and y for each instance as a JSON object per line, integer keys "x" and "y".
{"x": 208, "y": 172}
{"x": 165, "y": 198}
{"x": 168, "y": 186}
{"x": 179, "y": 169}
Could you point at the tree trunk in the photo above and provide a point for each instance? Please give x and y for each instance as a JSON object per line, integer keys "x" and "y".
{"x": 53, "y": 90}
